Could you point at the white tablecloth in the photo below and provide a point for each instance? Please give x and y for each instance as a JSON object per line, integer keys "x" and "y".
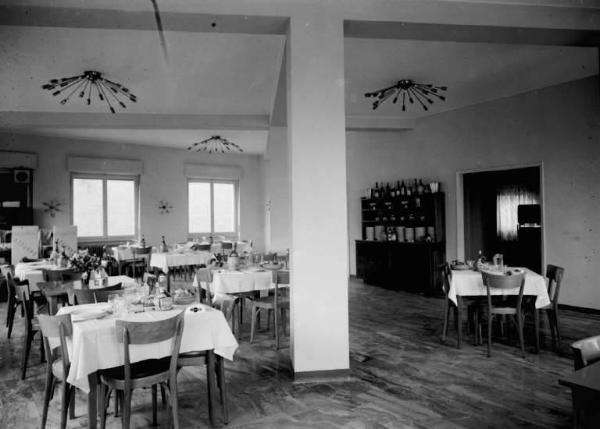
{"x": 32, "y": 272}
{"x": 95, "y": 346}
{"x": 225, "y": 281}
{"x": 174, "y": 259}
{"x": 470, "y": 283}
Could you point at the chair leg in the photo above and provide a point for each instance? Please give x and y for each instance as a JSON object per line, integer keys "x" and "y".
{"x": 25, "y": 357}
{"x": 489, "y": 344}
{"x": 220, "y": 363}
{"x": 520, "y": 326}
{"x": 284, "y": 321}
{"x": 253, "y": 322}
{"x": 42, "y": 350}
{"x": 536, "y": 319}
{"x": 64, "y": 406}
{"x": 556, "y": 329}
{"x": 154, "y": 404}
{"x": 163, "y": 397}
{"x": 12, "y": 310}
{"x": 173, "y": 403}
{"x": 276, "y": 321}
{"x": 552, "y": 325}
{"x": 72, "y": 403}
{"x": 457, "y": 316}
{"x": 126, "y": 409}
{"x": 102, "y": 403}
{"x": 47, "y": 395}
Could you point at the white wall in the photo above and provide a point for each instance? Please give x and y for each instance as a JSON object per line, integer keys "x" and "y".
{"x": 277, "y": 191}
{"x": 557, "y": 126}
{"x": 162, "y": 179}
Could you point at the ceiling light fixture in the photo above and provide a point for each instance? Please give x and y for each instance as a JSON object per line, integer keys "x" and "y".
{"x": 406, "y": 88}
{"x": 215, "y": 144}
{"x": 86, "y": 84}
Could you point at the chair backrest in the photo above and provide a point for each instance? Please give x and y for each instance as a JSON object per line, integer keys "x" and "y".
{"x": 56, "y": 327}
{"x": 555, "y": 275}
{"x": 504, "y": 281}
{"x": 446, "y": 277}
{"x": 141, "y": 251}
{"x": 12, "y": 287}
{"x": 586, "y": 351}
{"x": 133, "y": 333}
{"x": 24, "y": 295}
{"x": 84, "y": 296}
{"x": 102, "y": 295}
{"x": 203, "y": 246}
{"x": 204, "y": 276}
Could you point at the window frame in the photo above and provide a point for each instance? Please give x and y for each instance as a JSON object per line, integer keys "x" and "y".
{"x": 236, "y": 205}
{"x": 106, "y": 177}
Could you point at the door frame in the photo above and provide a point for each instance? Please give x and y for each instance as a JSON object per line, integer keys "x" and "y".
{"x": 460, "y": 204}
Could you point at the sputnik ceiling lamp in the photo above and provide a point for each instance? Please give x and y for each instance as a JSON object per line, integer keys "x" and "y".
{"x": 89, "y": 85}
{"x": 215, "y": 144}
{"x": 407, "y": 89}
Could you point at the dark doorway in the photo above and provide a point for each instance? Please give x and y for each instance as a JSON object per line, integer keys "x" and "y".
{"x": 502, "y": 212}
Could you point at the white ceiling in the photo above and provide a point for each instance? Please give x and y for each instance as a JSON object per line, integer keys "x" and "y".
{"x": 473, "y": 72}
{"x": 214, "y": 76}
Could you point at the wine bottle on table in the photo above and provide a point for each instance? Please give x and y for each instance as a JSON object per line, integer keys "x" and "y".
{"x": 402, "y": 189}
{"x": 376, "y": 191}
{"x": 163, "y": 245}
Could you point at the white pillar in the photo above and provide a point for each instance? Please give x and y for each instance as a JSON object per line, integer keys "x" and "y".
{"x": 317, "y": 161}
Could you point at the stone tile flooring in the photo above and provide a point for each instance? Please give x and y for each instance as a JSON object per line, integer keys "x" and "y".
{"x": 401, "y": 377}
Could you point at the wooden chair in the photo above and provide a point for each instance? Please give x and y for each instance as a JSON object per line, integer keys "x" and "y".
{"x": 31, "y": 327}
{"x": 148, "y": 373}
{"x": 451, "y": 307}
{"x": 14, "y": 301}
{"x": 586, "y": 351}
{"x": 57, "y": 364}
{"x": 555, "y": 275}
{"x": 140, "y": 261}
{"x": 502, "y": 281}
{"x": 272, "y": 302}
{"x": 231, "y": 302}
{"x": 91, "y": 296}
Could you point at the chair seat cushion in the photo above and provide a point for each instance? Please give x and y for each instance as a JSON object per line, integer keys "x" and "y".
{"x": 140, "y": 369}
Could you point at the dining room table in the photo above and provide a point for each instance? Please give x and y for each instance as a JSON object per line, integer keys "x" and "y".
{"x": 94, "y": 345}
{"x": 55, "y": 290}
{"x": 166, "y": 261}
{"x": 33, "y": 272}
{"x": 469, "y": 283}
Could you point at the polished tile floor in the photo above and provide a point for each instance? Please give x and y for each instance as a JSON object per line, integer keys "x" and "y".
{"x": 401, "y": 377}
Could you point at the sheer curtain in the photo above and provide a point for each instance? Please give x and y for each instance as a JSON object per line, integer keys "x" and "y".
{"x": 508, "y": 199}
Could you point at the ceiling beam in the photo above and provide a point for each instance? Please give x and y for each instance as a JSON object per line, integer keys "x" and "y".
{"x": 36, "y": 16}
{"x": 470, "y": 33}
{"x": 32, "y": 120}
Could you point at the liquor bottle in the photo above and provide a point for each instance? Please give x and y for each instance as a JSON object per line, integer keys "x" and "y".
{"x": 393, "y": 192}
{"x": 420, "y": 187}
{"x": 376, "y": 191}
{"x": 163, "y": 245}
{"x": 402, "y": 189}
{"x": 143, "y": 242}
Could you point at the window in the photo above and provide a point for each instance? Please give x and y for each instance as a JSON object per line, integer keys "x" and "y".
{"x": 104, "y": 207}
{"x": 212, "y": 207}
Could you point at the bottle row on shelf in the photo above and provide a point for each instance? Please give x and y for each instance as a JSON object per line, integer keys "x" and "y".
{"x": 403, "y": 234}
{"x": 389, "y": 191}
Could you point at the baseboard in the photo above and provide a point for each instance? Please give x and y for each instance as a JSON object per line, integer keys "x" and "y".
{"x": 334, "y": 375}
{"x": 579, "y": 309}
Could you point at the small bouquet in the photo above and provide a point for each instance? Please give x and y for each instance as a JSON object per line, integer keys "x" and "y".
{"x": 83, "y": 262}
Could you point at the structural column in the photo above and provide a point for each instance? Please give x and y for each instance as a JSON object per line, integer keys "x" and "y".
{"x": 317, "y": 165}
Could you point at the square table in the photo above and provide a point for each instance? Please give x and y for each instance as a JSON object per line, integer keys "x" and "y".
{"x": 95, "y": 347}
{"x": 165, "y": 261}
